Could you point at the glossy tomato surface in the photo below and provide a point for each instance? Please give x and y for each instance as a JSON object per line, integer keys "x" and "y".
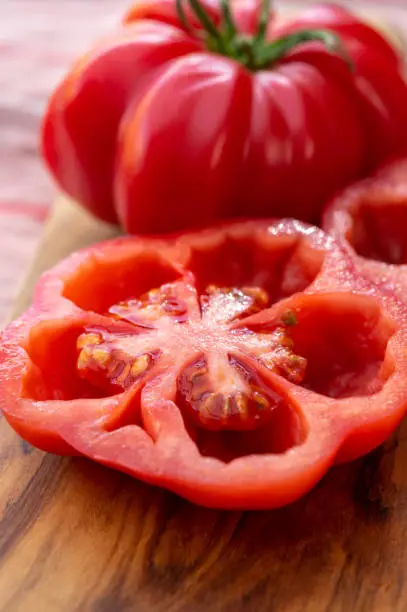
{"x": 369, "y": 218}
{"x": 154, "y": 130}
{"x": 232, "y": 365}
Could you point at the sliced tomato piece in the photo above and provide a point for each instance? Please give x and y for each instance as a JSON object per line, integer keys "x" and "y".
{"x": 370, "y": 219}
{"x": 232, "y": 365}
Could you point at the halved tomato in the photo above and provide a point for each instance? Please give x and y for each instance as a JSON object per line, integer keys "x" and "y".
{"x": 232, "y": 365}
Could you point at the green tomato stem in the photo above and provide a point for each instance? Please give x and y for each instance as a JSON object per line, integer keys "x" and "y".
{"x": 255, "y": 52}
{"x": 276, "y": 50}
{"x": 263, "y": 22}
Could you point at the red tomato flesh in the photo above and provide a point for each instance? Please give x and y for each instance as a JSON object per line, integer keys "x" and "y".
{"x": 370, "y": 219}
{"x": 232, "y": 365}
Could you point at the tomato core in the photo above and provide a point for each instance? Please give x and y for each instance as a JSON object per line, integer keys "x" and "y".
{"x": 222, "y": 385}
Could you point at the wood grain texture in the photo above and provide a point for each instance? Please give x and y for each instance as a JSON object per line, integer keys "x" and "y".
{"x": 78, "y": 537}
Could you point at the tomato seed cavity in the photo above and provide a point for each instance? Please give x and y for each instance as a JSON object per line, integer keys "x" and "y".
{"x": 219, "y": 389}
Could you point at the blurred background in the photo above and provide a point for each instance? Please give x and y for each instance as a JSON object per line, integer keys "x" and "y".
{"x": 38, "y": 41}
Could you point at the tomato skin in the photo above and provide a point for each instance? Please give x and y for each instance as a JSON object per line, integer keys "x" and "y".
{"x": 228, "y": 143}
{"x": 349, "y": 333}
{"x": 380, "y": 86}
{"x": 295, "y": 110}
{"x": 79, "y": 135}
{"x": 356, "y": 33}
{"x": 209, "y": 146}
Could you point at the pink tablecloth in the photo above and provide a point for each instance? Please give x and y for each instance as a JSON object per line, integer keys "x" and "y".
{"x": 38, "y": 41}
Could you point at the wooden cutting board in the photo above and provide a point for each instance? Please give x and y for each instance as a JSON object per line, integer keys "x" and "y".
{"x": 75, "y": 536}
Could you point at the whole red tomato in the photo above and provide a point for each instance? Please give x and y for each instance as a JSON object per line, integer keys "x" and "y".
{"x": 188, "y": 114}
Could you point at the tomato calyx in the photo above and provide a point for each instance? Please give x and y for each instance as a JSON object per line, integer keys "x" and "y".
{"x": 254, "y": 52}
{"x": 221, "y": 365}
